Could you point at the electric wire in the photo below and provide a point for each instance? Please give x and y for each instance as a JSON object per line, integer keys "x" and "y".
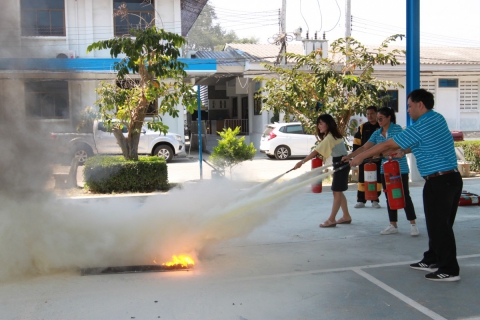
{"x": 308, "y": 28}
{"x": 321, "y": 17}
{"x": 339, "y": 16}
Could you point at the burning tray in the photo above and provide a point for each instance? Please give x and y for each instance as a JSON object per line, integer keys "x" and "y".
{"x": 133, "y": 269}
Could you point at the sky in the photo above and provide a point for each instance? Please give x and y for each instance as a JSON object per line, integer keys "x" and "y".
{"x": 442, "y": 22}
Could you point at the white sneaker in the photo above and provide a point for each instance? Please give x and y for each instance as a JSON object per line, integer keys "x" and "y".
{"x": 375, "y": 204}
{"x": 359, "y": 205}
{"x": 414, "y": 231}
{"x": 390, "y": 230}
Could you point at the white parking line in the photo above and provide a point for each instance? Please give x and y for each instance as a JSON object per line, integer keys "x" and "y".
{"x": 399, "y": 295}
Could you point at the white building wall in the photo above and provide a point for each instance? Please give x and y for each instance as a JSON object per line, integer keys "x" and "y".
{"x": 86, "y": 21}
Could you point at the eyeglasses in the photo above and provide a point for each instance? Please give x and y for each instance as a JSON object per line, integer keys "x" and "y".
{"x": 381, "y": 118}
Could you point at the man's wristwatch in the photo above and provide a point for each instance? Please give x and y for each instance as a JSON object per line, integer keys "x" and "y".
{"x": 303, "y": 161}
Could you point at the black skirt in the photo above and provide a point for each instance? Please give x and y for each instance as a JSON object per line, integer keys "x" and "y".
{"x": 340, "y": 177}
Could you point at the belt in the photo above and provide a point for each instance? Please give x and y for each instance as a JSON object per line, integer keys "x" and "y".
{"x": 439, "y": 173}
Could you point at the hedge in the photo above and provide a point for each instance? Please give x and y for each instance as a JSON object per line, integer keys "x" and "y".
{"x": 471, "y": 151}
{"x": 107, "y": 174}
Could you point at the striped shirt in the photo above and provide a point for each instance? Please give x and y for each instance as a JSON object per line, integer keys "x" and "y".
{"x": 392, "y": 131}
{"x": 431, "y": 143}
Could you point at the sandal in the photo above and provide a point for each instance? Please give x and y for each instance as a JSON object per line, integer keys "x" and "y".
{"x": 343, "y": 221}
{"x": 328, "y": 224}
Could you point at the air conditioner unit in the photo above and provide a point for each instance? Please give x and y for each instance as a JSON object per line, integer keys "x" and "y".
{"x": 69, "y": 54}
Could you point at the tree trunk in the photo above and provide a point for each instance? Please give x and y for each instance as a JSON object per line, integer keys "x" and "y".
{"x": 129, "y": 144}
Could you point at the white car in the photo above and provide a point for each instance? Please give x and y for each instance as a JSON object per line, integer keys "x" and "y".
{"x": 84, "y": 145}
{"x": 283, "y": 140}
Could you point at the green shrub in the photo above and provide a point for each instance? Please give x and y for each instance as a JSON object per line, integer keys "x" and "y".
{"x": 472, "y": 153}
{"x": 107, "y": 174}
{"x": 231, "y": 150}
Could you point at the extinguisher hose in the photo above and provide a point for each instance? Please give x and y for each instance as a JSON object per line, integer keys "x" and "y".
{"x": 364, "y": 161}
{"x": 342, "y": 167}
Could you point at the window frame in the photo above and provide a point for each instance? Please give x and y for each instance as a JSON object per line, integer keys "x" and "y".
{"x": 33, "y": 106}
{"x": 125, "y": 32}
{"x": 40, "y": 31}
{"x": 257, "y": 105}
{"x": 445, "y": 83}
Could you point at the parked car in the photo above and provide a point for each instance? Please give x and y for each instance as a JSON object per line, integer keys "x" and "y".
{"x": 457, "y": 135}
{"x": 284, "y": 140}
{"x": 84, "y": 145}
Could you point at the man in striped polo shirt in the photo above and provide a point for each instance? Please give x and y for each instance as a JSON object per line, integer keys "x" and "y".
{"x": 430, "y": 140}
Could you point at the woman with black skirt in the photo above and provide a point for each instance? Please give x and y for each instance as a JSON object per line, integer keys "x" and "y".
{"x": 332, "y": 144}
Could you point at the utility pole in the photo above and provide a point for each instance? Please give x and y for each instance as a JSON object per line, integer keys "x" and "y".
{"x": 348, "y": 26}
{"x": 348, "y": 18}
{"x": 283, "y": 31}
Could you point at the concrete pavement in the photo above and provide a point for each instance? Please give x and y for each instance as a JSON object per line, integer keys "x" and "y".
{"x": 279, "y": 264}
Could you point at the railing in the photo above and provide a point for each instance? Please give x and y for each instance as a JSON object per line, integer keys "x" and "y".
{"x": 233, "y": 123}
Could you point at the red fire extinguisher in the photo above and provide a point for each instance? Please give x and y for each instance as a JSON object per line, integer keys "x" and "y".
{"x": 370, "y": 182}
{"x": 393, "y": 182}
{"x": 316, "y": 163}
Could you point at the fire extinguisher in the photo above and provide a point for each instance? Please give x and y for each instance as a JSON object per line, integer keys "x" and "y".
{"x": 370, "y": 182}
{"x": 316, "y": 163}
{"x": 393, "y": 182}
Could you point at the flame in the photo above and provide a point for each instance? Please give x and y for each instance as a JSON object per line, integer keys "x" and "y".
{"x": 181, "y": 260}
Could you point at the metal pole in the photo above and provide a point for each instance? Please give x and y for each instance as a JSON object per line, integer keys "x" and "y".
{"x": 199, "y": 121}
{"x": 283, "y": 25}
{"x": 413, "y": 48}
{"x": 413, "y": 69}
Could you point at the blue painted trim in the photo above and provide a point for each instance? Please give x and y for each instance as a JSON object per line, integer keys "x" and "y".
{"x": 413, "y": 48}
{"x": 91, "y": 64}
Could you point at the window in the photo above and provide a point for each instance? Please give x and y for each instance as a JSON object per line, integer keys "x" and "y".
{"x": 235, "y": 108}
{"x": 257, "y": 105}
{"x": 47, "y": 100}
{"x": 390, "y": 99}
{"x": 130, "y": 14}
{"x": 43, "y": 18}
{"x": 297, "y": 129}
{"x": 448, "y": 83}
{"x": 3, "y": 107}
{"x": 468, "y": 95}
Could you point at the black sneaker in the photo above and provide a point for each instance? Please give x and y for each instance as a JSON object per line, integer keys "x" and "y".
{"x": 424, "y": 266}
{"x": 440, "y": 276}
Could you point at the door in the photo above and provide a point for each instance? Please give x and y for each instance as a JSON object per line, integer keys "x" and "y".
{"x": 145, "y": 136}
{"x": 299, "y": 143}
{"x": 105, "y": 141}
{"x": 447, "y": 103}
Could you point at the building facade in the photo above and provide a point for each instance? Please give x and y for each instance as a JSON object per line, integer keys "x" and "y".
{"x": 451, "y": 74}
{"x": 46, "y": 75}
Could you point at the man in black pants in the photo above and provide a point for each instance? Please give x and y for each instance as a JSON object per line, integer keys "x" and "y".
{"x": 430, "y": 140}
{"x": 364, "y": 132}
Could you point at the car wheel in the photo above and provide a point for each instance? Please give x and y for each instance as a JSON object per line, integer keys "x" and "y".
{"x": 282, "y": 152}
{"x": 164, "y": 152}
{"x": 82, "y": 154}
{"x": 271, "y": 156}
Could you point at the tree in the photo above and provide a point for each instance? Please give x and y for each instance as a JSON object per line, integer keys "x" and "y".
{"x": 152, "y": 54}
{"x": 204, "y": 35}
{"x": 341, "y": 85}
{"x": 231, "y": 150}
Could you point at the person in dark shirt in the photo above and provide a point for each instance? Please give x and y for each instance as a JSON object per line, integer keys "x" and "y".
{"x": 362, "y": 135}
